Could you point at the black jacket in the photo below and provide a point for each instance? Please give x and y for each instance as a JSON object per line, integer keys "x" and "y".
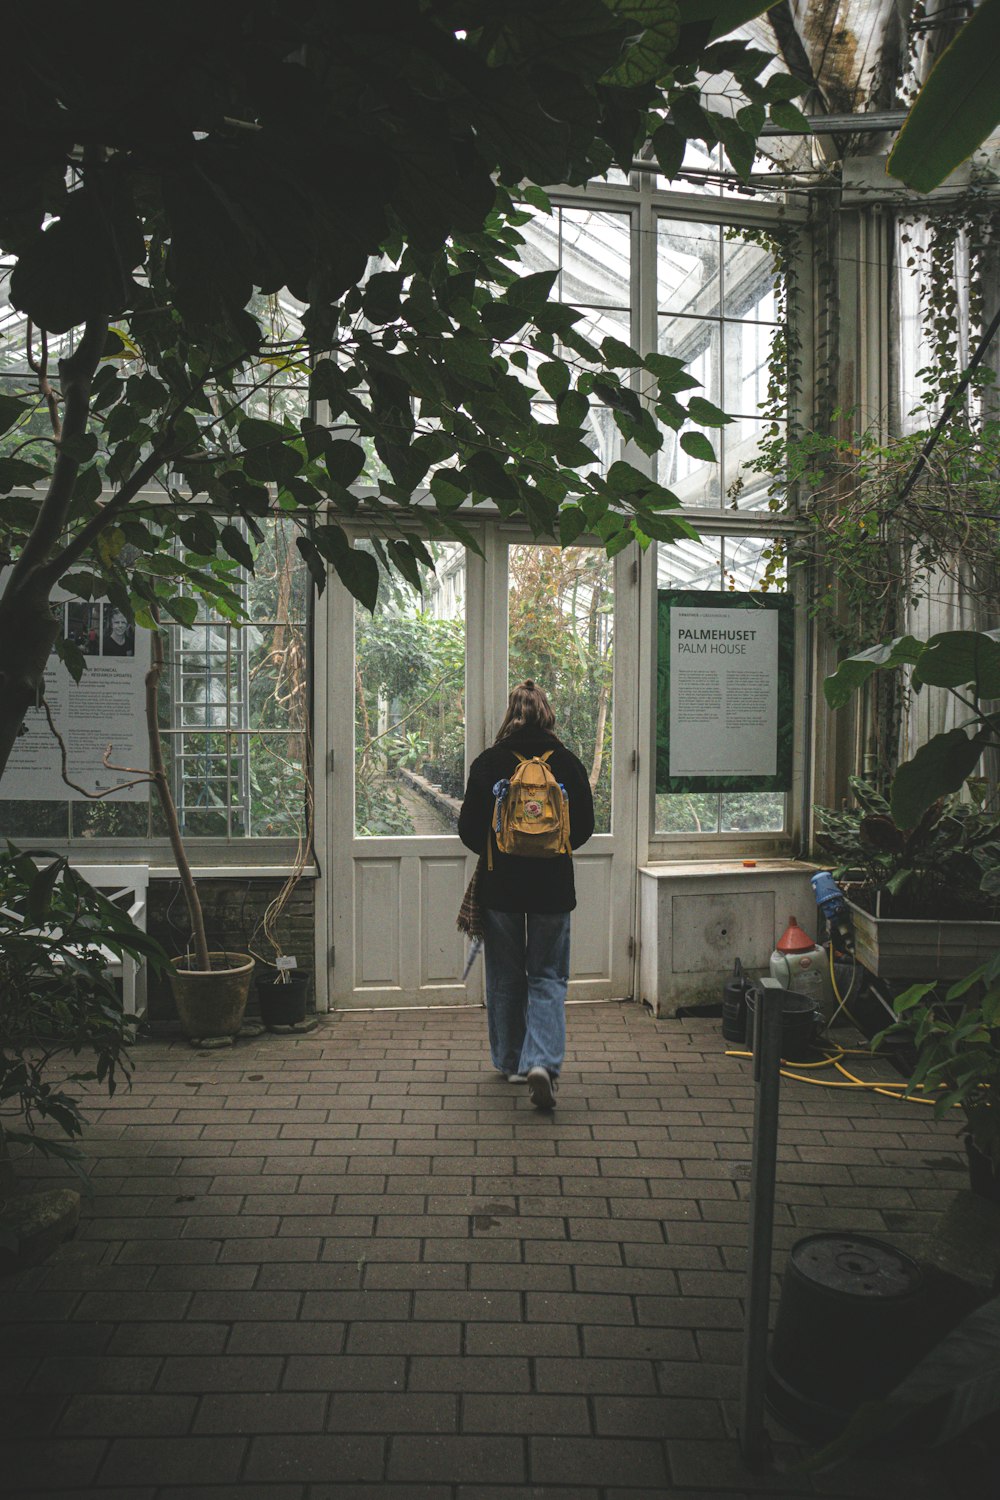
{"x": 516, "y": 883}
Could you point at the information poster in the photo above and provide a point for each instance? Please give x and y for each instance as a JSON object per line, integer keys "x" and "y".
{"x": 106, "y": 707}
{"x": 724, "y": 692}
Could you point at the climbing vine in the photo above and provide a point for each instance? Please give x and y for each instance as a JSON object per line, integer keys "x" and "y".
{"x": 879, "y": 550}
{"x": 878, "y": 546}
{"x": 780, "y": 407}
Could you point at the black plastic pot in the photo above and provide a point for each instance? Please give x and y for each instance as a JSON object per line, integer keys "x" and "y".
{"x": 283, "y": 1000}
{"x": 800, "y": 1023}
{"x": 734, "y": 1005}
{"x": 850, "y": 1324}
{"x": 984, "y": 1174}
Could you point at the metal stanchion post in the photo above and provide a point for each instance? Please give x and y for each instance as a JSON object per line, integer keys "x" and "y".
{"x": 754, "y": 1443}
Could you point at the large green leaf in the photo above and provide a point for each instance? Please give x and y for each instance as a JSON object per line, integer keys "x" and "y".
{"x": 957, "y": 108}
{"x": 738, "y": 145}
{"x": 697, "y": 445}
{"x": 955, "y": 1386}
{"x": 10, "y": 411}
{"x": 648, "y": 51}
{"x": 723, "y": 15}
{"x": 669, "y": 146}
{"x": 15, "y": 472}
{"x": 962, "y": 658}
{"x": 855, "y": 670}
{"x": 79, "y": 267}
{"x": 939, "y": 767}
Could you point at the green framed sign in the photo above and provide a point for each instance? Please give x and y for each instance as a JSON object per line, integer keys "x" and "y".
{"x": 724, "y": 680}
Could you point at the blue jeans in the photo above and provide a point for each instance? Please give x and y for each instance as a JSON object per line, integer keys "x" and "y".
{"x": 527, "y": 971}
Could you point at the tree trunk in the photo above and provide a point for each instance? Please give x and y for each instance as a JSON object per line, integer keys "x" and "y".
{"x": 28, "y": 631}
{"x": 602, "y": 717}
{"x": 162, "y": 784}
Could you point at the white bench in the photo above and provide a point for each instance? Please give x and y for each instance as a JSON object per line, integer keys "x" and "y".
{"x": 126, "y": 886}
{"x": 121, "y": 884}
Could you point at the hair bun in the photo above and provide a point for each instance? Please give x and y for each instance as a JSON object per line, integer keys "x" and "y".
{"x": 528, "y": 684}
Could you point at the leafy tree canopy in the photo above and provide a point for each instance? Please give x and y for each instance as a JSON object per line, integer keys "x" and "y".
{"x": 161, "y": 179}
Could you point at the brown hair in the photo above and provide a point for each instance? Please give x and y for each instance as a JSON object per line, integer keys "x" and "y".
{"x": 527, "y": 708}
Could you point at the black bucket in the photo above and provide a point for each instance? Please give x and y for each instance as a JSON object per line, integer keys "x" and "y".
{"x": 850, "y": 1324}
{"x": 283, "y": 1002}
{"x": 734, "y": 1005}
{"x": 801, "y": 1022}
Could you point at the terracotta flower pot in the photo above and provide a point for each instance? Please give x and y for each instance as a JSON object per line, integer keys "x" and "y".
{"x": 212, "y": 1002}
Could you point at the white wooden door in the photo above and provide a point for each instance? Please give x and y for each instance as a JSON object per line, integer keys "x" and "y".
{"x": 397, "y": 868}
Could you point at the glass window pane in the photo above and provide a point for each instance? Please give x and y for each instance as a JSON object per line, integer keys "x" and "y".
{"x": 277, "y": 679}
{"x": 696, "y": 484}
{"x": 277, "y": 775}
{"x": 746, "y": 373}
{"x": 688, "y": 268}
{"x": 596, "y": 258}
{"x": 687, "y": 812}
{"x": 205, "y": 822}
{"x": 410, "y": 704}
{"x": 561, "y": 634}
{"x": 689, "y": 565}
{"x": 110, "y": 819}
{"x": 696, "y": 342}
{"x": 752, "y": 812}
{"x": 745, "y": 486}
{"x": 278, "y": 588}
{"x": 753, "y": 561}
{"x": 748, "y": 274}
{"x": 540, "y": 251}
{"x": 26, "y": 822}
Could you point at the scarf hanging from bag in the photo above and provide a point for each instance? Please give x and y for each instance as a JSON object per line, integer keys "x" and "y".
{"x": 470, "y": 915}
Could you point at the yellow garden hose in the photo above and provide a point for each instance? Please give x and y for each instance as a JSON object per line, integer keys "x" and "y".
{"x": 834, "y": 1054}
{"x": 832, "y": 1059}
{"x": 843, "y": 999}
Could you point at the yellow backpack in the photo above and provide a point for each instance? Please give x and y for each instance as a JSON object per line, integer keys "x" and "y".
{"x": 531, "y": 812}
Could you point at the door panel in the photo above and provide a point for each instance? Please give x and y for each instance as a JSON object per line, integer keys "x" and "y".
{"x": 376, "y": 896}
{"x": 591, "y": 946}
{"x": 398, "y": 870}
{"x": 442, "y": 884}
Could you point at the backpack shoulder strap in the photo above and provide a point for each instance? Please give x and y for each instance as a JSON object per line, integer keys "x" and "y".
{"x": 544, "y": 758}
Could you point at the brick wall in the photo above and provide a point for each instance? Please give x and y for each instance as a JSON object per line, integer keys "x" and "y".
{"x": 233, "y": 906}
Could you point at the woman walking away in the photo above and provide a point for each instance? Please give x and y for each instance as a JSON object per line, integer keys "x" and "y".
{"x": 527, "y": 805}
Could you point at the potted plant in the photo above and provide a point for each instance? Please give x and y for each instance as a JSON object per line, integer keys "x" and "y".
{"x": 282, "y": 984}
{"x": 924, "y": 900}
{"x": 62, "y": 1024}
{"x": 210, "y": 989}
{"x": 282, "y": 992}
{"x": 956, "y": 1037}
{"x": 931, "y": 852}
{"x": 282, "y": 987}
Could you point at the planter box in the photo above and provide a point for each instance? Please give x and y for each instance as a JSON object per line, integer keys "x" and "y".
{"x": 903, "y": 948}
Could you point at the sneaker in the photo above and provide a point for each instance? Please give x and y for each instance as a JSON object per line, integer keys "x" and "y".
{"x": 517, "y": 1078}
{"x": 542, "y": 1088}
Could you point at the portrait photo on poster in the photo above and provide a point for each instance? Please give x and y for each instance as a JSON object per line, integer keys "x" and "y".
{"x": 118, "y": 633}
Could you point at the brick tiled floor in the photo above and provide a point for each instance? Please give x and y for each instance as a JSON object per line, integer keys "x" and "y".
{"x": 358, "y": 1263}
